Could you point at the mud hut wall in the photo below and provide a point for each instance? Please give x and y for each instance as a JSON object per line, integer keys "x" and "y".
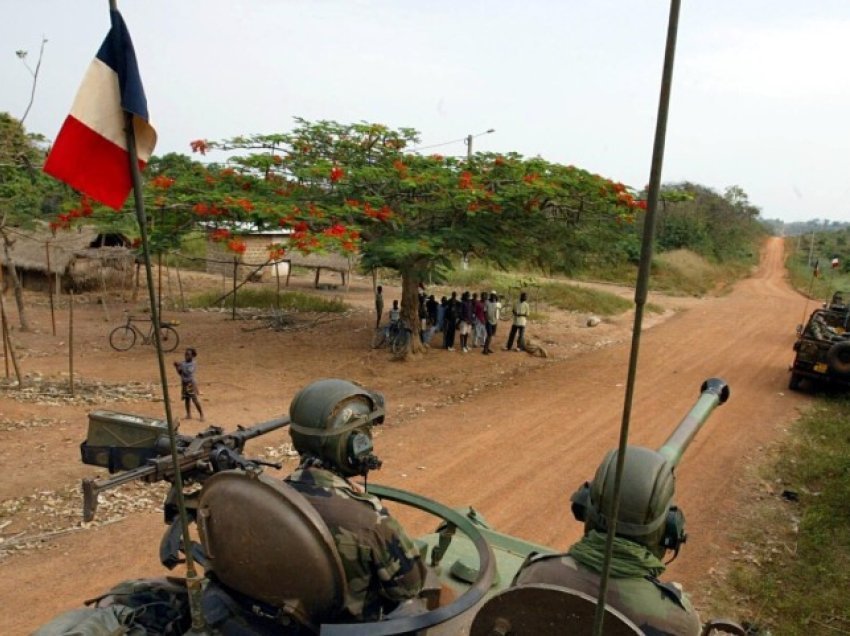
{"x": 220, "y": 259}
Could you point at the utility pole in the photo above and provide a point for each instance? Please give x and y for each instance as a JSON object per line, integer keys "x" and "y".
{"x": 468, "y": 141}
{"x": 811, "y": 248}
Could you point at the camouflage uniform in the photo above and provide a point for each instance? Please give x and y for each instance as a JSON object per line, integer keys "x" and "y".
{"x": 659, "y": 609}
{"x": 381, "y": 563}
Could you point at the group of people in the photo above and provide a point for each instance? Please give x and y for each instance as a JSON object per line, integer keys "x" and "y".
{"x": 469, "y": 321}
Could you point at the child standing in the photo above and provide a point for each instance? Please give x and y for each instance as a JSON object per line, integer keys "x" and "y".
{"x": 188, "y": 383}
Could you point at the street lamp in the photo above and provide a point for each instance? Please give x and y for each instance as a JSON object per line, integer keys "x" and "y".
{"x": 469, "y": 139}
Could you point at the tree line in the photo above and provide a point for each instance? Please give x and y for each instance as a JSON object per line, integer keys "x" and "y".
{"x": 362, "y": 188}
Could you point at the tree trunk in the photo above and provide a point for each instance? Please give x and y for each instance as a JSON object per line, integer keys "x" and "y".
{"x": 410, "y": 307}
{"x": 16, "y": 283}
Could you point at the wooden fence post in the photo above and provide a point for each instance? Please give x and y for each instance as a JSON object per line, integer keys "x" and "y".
{"x": 71, "y": 342}
{"x": 235, "y": 267}
{"x": 50, "y": 288}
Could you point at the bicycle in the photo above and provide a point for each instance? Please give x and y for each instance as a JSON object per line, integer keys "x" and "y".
{"x": 396, "y": 335}
{"x": 124, "y": 337}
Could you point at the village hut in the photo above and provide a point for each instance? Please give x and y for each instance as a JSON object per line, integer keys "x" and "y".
{"x": 254, "y": 261}
{"x": 80, "y": 259}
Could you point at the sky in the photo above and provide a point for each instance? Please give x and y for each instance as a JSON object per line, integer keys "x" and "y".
{"x": 760, "y": 99}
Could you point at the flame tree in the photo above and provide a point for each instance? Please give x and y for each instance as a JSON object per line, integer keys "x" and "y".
{"x": 360, "y": 188}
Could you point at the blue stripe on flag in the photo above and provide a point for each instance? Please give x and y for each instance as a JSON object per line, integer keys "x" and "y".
{"x": 117, "y": 52}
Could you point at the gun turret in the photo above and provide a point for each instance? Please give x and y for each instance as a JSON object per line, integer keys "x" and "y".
{"x": 648, "y": 483}
{"x": 142, "y": 452}
{"x": 712, "y": 393}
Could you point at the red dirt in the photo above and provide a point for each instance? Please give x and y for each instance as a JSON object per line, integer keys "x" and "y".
{"x": 509, "y": 434}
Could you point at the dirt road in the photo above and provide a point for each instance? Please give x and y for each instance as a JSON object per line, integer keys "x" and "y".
{"x": 509, "y": 434}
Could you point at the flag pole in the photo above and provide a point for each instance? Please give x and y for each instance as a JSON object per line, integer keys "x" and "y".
{"x": 193, "y": 582}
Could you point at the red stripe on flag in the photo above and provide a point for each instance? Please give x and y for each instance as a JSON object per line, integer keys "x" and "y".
{"x": 91, "y": 164}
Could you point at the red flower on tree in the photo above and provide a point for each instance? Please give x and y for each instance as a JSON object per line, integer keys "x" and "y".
{"x": 276, "y": 252}
{"x": 162, "y": 182}
{"x": 237, "y": 245}
{"x": 85, "y": 205}
{"x": 625, "y": 198}
{"x": 220, "y": 234}
{"x": 336, "y": 230}
{"x": 199, "y": 145}
{"x": 640, "y": 204}
{"x": 337, "y": 173}
{"x": 465, "y": 180}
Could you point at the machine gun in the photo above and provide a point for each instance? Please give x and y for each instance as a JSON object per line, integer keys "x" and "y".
{"x": 138, "y": 448}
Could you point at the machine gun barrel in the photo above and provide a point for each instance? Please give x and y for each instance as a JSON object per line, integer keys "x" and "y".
{"x": 194, "y": 463}
{"x": 713, "y": 392}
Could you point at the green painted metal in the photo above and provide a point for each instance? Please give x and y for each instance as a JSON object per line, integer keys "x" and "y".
{"x": 714, "y": 393}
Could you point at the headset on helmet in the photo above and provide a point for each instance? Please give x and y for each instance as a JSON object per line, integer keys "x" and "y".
{"x": 646, "y": 515}
{"x": 332, "y": 420}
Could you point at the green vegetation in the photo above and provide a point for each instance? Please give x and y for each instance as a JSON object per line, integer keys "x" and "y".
{"x": 685, "y": 272}
{"x": 796, "y": 582}
{"x": 267, "y": 299}
{"x": 550, "y": 293}
{"x": 359, "y": 188}
{"x": 193, "y": 251}
{"x": 574, "y": 298}
{"x": 804, "y": 251}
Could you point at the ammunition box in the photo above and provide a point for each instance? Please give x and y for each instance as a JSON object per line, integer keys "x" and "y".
{"x": 121, "y": 441}
{"x": 110, "y": 428}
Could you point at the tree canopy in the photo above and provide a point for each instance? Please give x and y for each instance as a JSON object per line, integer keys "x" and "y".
{"x": 362, "y": 188}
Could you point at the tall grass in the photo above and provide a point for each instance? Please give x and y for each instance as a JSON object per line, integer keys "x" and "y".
{"x": 800, "y": 272}
{"x": 574, "y": 298}
{"x": 266, "y": 299}
{"x": 688, "y": 273}
{"x": 797, "y": 577}
{"x": 540, "y": 291}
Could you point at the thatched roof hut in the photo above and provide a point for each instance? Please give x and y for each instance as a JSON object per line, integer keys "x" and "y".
{"x": 80, "y": 258}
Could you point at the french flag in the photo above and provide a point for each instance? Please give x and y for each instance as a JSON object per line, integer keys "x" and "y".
{"x": 90, "y": 153}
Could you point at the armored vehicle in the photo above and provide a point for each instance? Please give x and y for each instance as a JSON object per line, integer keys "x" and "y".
{"x": 822, "y": 349}
{"x": 271, "y": 566}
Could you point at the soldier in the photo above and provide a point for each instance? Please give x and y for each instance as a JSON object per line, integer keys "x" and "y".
{"x": 648, "y": 525}
{"x": 331, "y": 422}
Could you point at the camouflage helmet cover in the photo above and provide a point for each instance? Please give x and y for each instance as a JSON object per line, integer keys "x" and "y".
{"x": 331, "y": 419}
{"x": 646, "y": 495}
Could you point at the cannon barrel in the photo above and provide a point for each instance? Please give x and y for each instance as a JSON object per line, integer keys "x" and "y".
{"x": 713, "y": 392}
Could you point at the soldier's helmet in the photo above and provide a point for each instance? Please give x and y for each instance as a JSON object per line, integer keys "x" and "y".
{"x": 647, "y": 514}
{"x": 332, "y": 420}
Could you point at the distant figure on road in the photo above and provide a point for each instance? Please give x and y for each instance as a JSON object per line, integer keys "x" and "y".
{"x": 188, "y": 383}
{"x": 379, "y": 305}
